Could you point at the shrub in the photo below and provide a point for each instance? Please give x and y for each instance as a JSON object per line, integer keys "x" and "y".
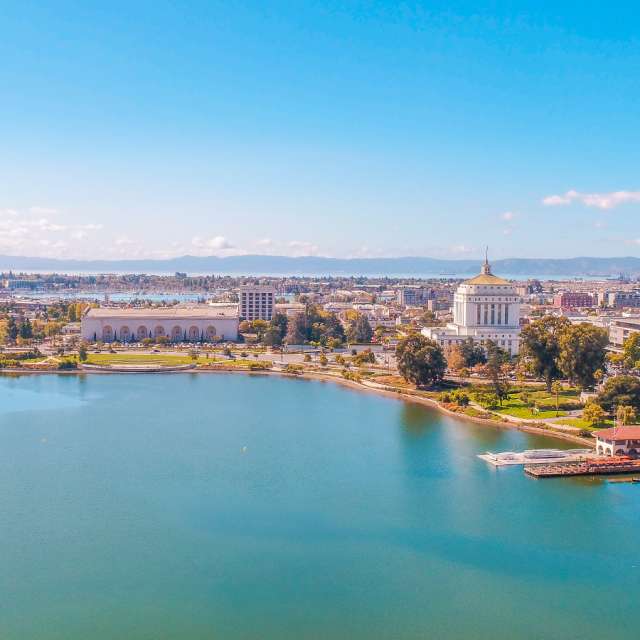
{"x": 261, "y": 365}
{"x": 67, "y": 364}
{"x": 460, "y": 398}
{"x": 295, "y": 369}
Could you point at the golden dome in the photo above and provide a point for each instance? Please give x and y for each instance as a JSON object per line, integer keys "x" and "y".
{"x": 485, "y": 276}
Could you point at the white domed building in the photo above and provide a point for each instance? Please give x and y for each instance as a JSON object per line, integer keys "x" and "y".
{"x": 484, "y": 308}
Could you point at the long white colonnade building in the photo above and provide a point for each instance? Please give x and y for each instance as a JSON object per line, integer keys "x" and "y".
{"x": 484, "y": 308}
{"x": 199, "y": 323}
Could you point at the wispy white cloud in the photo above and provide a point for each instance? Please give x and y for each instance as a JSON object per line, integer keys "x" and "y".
{"x": 598, "y": 200}
{"x": 300, "y": 248}
{"x": 215, "y": 243}
{"x": 32, "y": 231}
{"x": 508, "y": 216}
{"x": 124, "y": 241}
{"x": 462, "y": 249}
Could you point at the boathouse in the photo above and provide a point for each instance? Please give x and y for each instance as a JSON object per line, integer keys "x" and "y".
{"x": 619, "y": 441}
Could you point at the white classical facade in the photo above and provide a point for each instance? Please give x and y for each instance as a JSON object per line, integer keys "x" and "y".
{"x": 484, "y": 308}
{"x": 178, "y": 324}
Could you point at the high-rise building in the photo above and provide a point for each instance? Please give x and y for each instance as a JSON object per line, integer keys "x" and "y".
{"x": 256, "y": 302}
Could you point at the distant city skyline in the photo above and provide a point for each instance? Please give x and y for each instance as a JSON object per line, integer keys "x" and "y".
{"x": 374, "y": 130}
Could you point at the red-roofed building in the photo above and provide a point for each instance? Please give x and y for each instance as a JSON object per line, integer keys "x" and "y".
{"x": 619, "y": 441}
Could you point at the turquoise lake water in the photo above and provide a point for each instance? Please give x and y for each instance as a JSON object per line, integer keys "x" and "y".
{"x": 229, "y": 506}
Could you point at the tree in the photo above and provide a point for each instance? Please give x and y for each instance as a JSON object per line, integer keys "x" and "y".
{"x": 540, "y": 347}
{"x": 11, "y": 330}
{"x": 279, "y": 323}
{"x": 631, "y": 351}
{"x": 313, "y": 325}
{"x": 472, "y": 353}
{"x": 359, "y": 329}
{"x": 82, "y": 352}
{"x": 260, "y": 327}
{"x": 429, "y": 318}
{"x": 582, "y": 353}
{"x": 297, "y": 329}
{"x": 620, "y": 391}
{"x": 497, "y": 358}
{"x": 323, "y": 360}
{"x": 420, "y": 360}
{"x": 593, "y": 414}
{"x": 455, "y": 360}
{"x": 364, "y": 357}
{"x": 460, "y": 398}
{"x": 556, "y": 388}
{"x": 626, "y": 414}
{"x": 331, "y": 328}
{"x": 26, "y": 329}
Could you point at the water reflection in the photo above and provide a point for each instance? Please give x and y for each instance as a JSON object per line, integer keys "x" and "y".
{"x": 415, "y": 419}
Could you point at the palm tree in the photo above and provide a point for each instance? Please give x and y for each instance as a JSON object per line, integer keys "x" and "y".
{"x": 556, "y": 388}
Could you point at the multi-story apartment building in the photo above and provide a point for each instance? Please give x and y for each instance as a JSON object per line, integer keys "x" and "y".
{"x": 572, "y": 300}
{"x": 623, "y": 299}
{"x": 414, "y": 296}
{"x": 620, "y": 330}
{"x": 256, "y": 302}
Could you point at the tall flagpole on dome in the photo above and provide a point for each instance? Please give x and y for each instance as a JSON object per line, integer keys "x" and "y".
{"x": 486, "y": 268}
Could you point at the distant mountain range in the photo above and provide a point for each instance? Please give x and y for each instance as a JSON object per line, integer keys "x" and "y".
{"x": 311, "y": 265}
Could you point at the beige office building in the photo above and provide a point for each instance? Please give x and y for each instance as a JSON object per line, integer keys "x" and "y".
{"x": 256, "y": 302}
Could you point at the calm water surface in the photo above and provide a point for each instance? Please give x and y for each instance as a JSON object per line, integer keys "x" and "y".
{"x": 228, "y": 506}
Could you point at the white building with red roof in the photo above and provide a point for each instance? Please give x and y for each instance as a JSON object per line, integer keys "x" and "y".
{"x": 619, "y": 441}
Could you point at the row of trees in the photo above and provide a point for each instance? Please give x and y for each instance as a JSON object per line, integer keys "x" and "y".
{"x": 14, "y": 329}
{"x": 553, "y": 348}
{"x": 311, "y": 325}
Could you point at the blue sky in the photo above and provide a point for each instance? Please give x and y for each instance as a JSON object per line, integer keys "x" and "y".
{"x": 329, "y": 128}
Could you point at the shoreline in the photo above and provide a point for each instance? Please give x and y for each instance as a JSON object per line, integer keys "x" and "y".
{"x": 504, "y": 423}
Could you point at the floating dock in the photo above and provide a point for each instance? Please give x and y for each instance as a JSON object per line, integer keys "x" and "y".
{"x": 537, "y": 456}
{"x": 599, "y": 467}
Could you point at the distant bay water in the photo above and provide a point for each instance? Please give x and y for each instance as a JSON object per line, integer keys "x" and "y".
{"x": 230, "y": 506}
{"x": 345, "y": 274}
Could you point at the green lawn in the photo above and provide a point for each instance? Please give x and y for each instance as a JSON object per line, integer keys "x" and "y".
{"x": 582, "y": 424}
{"x": 545, "y": 402}
{"x": 517, "y": 409}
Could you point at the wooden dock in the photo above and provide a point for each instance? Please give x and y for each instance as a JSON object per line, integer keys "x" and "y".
{"x": 609, "y": 466}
